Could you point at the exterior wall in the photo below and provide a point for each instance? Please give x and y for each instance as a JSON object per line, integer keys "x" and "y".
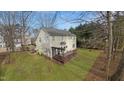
{"x": 70, "y": 41}
{"x": 2, "y": 43}
{"x": 55, "y": 40}
{"x": 17, "y": 43}
{"x": 27, "y": 40}
{"x": 43, "y": 44}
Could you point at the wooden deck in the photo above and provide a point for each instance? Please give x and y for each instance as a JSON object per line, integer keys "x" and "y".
{"x": 66, "y": 57}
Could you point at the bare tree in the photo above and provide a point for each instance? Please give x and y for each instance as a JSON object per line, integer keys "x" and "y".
{"x": 14, "y": 25}
{"x": 8, "y": 22}
{"x": 47, "y": 19}
{"x": 23, "y": 21}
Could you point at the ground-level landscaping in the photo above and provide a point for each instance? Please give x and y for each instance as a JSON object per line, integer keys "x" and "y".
{"x": 27, "y": 66}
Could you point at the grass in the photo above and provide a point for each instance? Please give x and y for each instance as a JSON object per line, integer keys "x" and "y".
{"x": 26, "y": 66}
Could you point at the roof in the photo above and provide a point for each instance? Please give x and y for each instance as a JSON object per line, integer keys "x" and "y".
{"x": 57, "y": 32}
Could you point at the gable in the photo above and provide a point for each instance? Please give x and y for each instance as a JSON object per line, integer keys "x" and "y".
{"x": 41, "y": 35}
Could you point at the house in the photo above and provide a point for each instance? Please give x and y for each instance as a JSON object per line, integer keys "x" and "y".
{"x": 2, "y": 43}
{"x": 26, "y": 40}
{"x": 17, "y": 43}
{"x": 33, "y": 39}
{"x": 54, "y": 43}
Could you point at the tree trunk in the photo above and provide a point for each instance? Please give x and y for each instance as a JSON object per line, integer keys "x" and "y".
{"x": 110, "y": 41}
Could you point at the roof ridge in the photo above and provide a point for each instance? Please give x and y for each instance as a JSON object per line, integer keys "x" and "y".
{"x": 57, "y": 32}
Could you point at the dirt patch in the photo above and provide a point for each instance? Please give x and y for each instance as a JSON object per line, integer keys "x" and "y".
{"x": 3, "y": 50}
{"x": 98, "y": 70}
{"x": 4, "y": 57}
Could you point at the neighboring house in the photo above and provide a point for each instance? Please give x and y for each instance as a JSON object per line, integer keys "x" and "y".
{"x": 52, "y": 42}
{"x": 17, "y": 42}
{"x": 33, "y": 41}
{"x": 25, "y": 41}
{"x": 2, "y": 43}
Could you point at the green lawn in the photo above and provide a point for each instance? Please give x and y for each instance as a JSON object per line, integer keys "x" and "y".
{"x": 26, "y": 66}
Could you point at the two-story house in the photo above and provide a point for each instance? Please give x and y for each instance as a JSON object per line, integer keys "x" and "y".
{"x": 53, "y": 42}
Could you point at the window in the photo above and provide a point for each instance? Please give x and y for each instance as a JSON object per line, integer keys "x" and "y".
{"x": 73, "y": 46}
{"x": 39, "y": 39}
{"x": 0, "y": 46}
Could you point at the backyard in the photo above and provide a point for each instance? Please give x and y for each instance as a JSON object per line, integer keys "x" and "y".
{"x": 27, "y": 66}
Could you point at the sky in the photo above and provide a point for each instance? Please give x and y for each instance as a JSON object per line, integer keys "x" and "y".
{"x": 69, "y": 19}
{"x": 66, "y": 19}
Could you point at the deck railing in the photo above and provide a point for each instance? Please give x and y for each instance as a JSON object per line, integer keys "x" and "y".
{"x": 66, "y": 57}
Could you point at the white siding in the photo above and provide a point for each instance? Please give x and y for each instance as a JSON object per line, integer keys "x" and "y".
{"x": 27, "y": 40}
{"x": 43, "y": 44}
{"x": 55, "y": 40}
{"x": 2, "y": 43}
{"x": 70, "y": 41}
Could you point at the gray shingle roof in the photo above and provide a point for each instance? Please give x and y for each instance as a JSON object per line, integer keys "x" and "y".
{"x": 57, "y": 32}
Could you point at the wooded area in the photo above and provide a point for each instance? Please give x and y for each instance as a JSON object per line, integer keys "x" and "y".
{"x": 106, "y": 33}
